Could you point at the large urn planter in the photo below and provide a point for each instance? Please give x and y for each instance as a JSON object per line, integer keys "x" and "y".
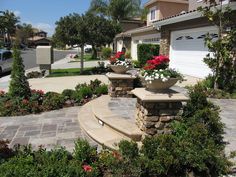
{"x": 158, "y": 84}
{"x": 119, "y": 69}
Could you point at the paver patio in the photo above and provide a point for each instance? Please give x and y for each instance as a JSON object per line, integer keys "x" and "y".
{"x": 50, "y": 129}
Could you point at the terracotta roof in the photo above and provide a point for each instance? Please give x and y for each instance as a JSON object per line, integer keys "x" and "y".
{"x": 37, "y": 38}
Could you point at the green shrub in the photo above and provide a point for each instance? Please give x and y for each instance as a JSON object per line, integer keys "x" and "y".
{"x": 52, "y": 101}
{"x": 85, "y": 92}
{"x": 84, "y": 153}
{"x": 34, "y": 74}
{"x": 129, "y": 149}
{"x": 19, "y": 86}
{"x": 136, "y": 64}
{"x": 106, "y": 53}
{"x": 146, "y": 52}
{"x": 101, "y": 90}
{"x": 94, "y": 84}
{"x": 68, "y": 94}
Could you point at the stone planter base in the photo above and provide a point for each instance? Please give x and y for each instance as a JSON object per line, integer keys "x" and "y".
{"x": 155, "y": 111}
{"x": 120, "y": 85}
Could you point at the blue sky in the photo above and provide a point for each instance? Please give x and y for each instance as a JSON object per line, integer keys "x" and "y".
{"x": 44, "y": 13}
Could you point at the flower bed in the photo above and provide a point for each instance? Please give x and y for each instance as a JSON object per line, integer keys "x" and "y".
{"x": 39, "y": 101}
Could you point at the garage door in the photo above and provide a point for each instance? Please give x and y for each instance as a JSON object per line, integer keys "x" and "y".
{"x": 187, "y": 51}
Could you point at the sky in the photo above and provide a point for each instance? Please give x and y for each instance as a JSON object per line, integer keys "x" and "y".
{"x": 43, "y": 14}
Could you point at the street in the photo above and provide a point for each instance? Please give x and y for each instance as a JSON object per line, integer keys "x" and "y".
{"x": 29, "y": 58}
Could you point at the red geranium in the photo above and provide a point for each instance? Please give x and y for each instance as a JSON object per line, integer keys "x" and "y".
{"x": 158, "y": 62}
{"x": 87, "y": 168}
{"x": 116, "y": 155}
{"x": 118, "y": 56}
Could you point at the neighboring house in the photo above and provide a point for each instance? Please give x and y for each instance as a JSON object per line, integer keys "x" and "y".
{"x": 158, "y": 9}
{"x": 182, "y": 39}
{"x": 123, "y": 40}
{"x": 39, "y": 38}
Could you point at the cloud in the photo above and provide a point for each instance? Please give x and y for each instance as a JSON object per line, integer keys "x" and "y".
{"x": 17, "y": 13}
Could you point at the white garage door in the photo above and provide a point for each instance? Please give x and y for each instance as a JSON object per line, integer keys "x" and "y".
{"x": 187, "y": 51}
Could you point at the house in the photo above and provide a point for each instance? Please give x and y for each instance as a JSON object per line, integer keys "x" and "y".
{"x": 157, "y": 9}
{"x": 39, "y": 38}
{"x": 123, "y": 40}
{"x": 182, "y": 39}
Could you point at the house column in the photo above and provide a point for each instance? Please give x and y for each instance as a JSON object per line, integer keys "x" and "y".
{"x": 165, "y": 42}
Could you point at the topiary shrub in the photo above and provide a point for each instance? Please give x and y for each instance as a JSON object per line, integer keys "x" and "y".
{"x": 146, "y": 52}
{"x": 19, "y": 86}
{"x": 106, "y": 53}
{"x": 52, "y": 101}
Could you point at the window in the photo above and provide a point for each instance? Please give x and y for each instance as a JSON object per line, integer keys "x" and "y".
{"x": 188, "y": 37}
{"x": 153, "y": 14}
{"x": 179, "y": 38}
{"x": 7, "y": 55}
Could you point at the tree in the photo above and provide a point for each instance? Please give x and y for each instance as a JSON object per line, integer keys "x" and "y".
{"x": 222, "y": 57}
{"x": 8, "y": 22}
{"x": 72, "y": 30}
{"x": 101, "y": 31}
{"x": 19, "y": 86}
{"x": 117, "y": 10}
{"x": 24, "y": 32}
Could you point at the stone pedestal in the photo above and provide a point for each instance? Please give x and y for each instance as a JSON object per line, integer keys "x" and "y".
{"x": 155, "y": 111}
{"x": 120, "y": 85}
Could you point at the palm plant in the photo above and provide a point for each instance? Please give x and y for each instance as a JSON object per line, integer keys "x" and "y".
{"x": 8, "y": 22}
{"x": 116, "y": 9}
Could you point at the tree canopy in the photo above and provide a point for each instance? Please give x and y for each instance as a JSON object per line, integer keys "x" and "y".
{"x": 116, "y": 9}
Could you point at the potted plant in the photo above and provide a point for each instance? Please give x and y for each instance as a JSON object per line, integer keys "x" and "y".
{"x": 119, "y": 64}
{"x": 156, "y": 74}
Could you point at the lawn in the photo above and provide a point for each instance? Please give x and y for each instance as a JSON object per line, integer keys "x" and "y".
{"x": 87, "y": 57}
{"x": 70, "y": 72}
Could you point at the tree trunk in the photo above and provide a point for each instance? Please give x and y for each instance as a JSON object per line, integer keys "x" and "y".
{"x": 94, "y": 55}
{"x": 82, "y": 59}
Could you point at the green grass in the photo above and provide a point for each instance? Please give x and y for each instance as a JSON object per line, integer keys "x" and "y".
{"x": 70, "y": 72}
{"x": 87, "y": 57}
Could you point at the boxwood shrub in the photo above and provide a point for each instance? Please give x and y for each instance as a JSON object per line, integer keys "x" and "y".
{"x": 146, "y": 52}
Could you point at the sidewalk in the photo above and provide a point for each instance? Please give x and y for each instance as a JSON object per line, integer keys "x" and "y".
{"x": 61, "y": 64}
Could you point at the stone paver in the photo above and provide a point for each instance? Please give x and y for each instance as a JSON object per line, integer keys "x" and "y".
{"x": 50, "y": 129}
{"x": 124, "y": 107}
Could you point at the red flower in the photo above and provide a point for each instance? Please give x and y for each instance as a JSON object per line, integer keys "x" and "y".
{"x": 87, "y": 168}
{"x": 149, "y": 67}
{"x": 116, "y": 155}
{"x": 25, "y": 101}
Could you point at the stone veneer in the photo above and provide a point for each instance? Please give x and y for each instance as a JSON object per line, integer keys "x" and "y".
{"x": 120, "y": 85}
{"x": 155, "y": 111}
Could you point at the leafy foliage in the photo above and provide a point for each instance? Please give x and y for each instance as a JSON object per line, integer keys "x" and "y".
{"x": 222, "y": 57}
{"x": 106, "y": 53}
{"x": 146, "y": 52}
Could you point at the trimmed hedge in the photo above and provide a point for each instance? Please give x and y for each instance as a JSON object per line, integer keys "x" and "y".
{"x": 146, "y": 52}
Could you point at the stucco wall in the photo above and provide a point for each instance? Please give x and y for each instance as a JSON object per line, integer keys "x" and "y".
{"x": 167, "y": 9}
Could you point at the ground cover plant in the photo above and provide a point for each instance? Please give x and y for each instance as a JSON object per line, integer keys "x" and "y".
{"x": 38, "y": 101}
{"x": 195, "y": 147}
